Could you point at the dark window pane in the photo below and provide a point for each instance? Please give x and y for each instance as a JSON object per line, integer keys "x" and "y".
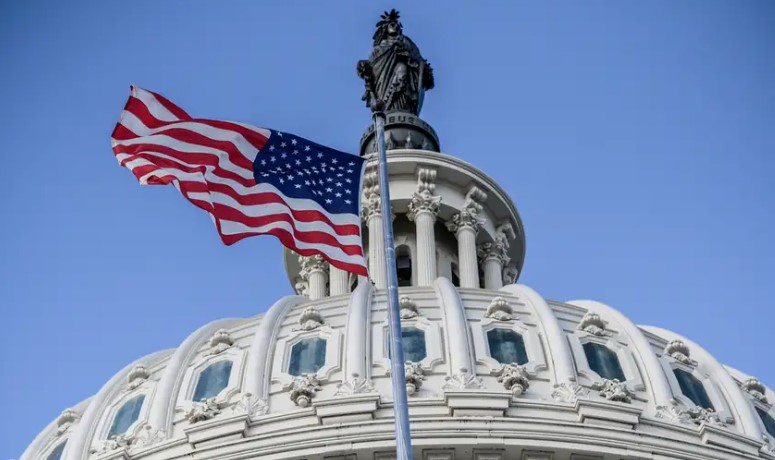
{"x": 506, "y": 346}
{"x": 455, "y": 276}
{"x": 126, "y": 416}
{"x": 56, "y": 454}
{"x": 404, "y": 266}
{"x": 307, "y": 356}
{"x": 413, "y": 341}
{"x": 604, "y": 361}
{"x": 212, "y": 380}
{"x": 692, "y": 388}
{"x": 769, "y": 422}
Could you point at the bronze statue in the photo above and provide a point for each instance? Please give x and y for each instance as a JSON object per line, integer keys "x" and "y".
{"x": 396, "y": 75}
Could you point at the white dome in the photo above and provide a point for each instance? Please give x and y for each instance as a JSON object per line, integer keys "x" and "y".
{"x": 467, "y": 406}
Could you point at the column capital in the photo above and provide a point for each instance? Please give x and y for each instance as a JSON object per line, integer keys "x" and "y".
{"x": 495, "y": 250}
{"x": 467, "y": 218}
{"x": 423, "y": 201}
{"x": 312, "y": 264}
{"x": 371, "y": 205}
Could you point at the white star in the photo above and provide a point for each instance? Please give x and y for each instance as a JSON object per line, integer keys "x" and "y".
{"x": 271, "y": 148}
{"x": 309, "y": 158}
{"x": 320, "y": 154}
{"x": 350, "y": 171}
{"x": 352, "y": 163}
{"x": 329, "y": 201}
{"x": 334, "y": 161}
{"x": 290, "y": 176}
{"x": 348, "y": 180}
{"x": 272, "y": 159}
{"x": 338, "y": 195}
{"x": 347, "y": 201}
{"x": 339, "y": 175}
{"x": 306, "y": 182}
{"x": 306, "y": 148}
{"x": 283, "y": 155}
{"x": 293, "y": 141}
{"x": 282, "y": 181}
{"x": 288, "y": 165}
{"x": 283, "y": 144}
{"x": 328, "y": 179}
{"x": 279, "y": 134}
{"x": 329, "y": 190}
{"x": 295, "y": 151}
{"x": 298, "y": 185}
{"x": 298, "y": 162}
{"x": 338, "y": 184}
{"x": 263, "y": 162}
{"x": 347, "y": 191}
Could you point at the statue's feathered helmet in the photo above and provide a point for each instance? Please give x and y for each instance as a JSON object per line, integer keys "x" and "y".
{"x": 386, "y": 18}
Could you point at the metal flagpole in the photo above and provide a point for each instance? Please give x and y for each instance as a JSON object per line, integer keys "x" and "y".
{"x": 397, "y": 371}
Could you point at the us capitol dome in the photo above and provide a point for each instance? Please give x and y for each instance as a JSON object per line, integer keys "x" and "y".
{"x": 494, "y": 370}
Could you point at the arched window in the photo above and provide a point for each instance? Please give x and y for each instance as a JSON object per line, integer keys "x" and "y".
{"x": 692, "y": 388}
{"x": 56, "y": 454}
{"x": 767, "y": 420}
{"x": 603, "y": 361}
{"x": 212, "y": 380}
{"x": 413, "y": 341}
{"x": 506, "y": 346}
{"x": 307, "y": 356}
{"x": 404, "y": 265}
{"x": 126, "y": 416}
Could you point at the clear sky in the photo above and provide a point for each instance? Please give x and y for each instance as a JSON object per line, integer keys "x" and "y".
{"x": 636, "y": 138}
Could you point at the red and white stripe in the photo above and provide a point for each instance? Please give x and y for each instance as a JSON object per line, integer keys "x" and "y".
{"x": 211, "y": 163}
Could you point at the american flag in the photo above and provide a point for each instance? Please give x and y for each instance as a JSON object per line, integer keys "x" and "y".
{"x": 252, "y": 181}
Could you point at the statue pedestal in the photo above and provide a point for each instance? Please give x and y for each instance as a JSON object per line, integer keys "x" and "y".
{"x": 403, "y": 131}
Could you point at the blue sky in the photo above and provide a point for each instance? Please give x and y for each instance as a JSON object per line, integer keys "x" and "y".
{"x": 636, "y": 138}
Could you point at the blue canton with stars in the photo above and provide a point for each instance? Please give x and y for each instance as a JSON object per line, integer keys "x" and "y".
{"x": 303, "y": 169}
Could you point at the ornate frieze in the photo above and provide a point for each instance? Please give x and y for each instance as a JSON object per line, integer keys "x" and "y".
{"x": 463, "y": 380}
{"x": 303, "y": 389}
{"x": 137, "y": 376}
{"x": 66, "y": 419}
{"x": 414, "y": 377}
{"x": 499, "y": 310}
{"x": 514, "y": 378}
{"x": 203, "y": 410}
{"x": 423, "y": 201}
{"x": 467, "y": 218}
{"x": 147, "y": 436}
{"x": 354, "y": 385}
{"x": 497, "y": 250}
{"x": 251, "y": 405}
{"x": 593, "y": 324}
{"x": 613, "y": 390}
{"x": 569, "y": 392}
{"x": 408, "y": 309}
{"x": 755, "y": 388}
{"x": 310, "y": 319}
{"x": 701, "y": 415}
{"x": 679, "y": 351}
{"x": 220, "y": 342}
{"x": 673, "y": 413}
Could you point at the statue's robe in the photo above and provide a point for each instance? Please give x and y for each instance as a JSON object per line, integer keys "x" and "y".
{"x": 398, "y": 67}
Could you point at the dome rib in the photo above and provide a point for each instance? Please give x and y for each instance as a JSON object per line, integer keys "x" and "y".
{"x": 357, "y": 362}
{"x": 163, "y": 403}
{"x": 458, "y": 333}
{"x": 258, "y": 369}
{"x": 79, "y": 442}
{"x": 557, "y": 345}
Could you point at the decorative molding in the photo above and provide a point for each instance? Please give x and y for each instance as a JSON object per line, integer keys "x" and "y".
{"x": 613, "y": 390}
{"x": 220, "y": 342}
{"x": 66, "y": 419}
{"x": 301, "y": 286}
{"x": 414, "y": 377}
{"x": 514, "y": 379}
{"x": 700, "y": 415}
{"x": 500, "y": 310}
{"x": 423, "y": 201}
{"x": 312, "y": 264}
{"x": 673, "y": 413}
{"x": 110, "y": 446}
{"x": 510, "y": 274}
{"x": 370, "y": 202}
{"x": 569, "y": 392}
{"x": 303, "y": 389}
{"x": 408, "y": 308}
{"x": 310, "y": 319}
{"x": 679, "y": 351}
{"x": 203, "y": 410}
{"x": 137, "y": 376}
{"x": 354, "y": 385}
{"x": 148, "y": 436}
{"x": 463, "y": 380}
{"x": 251, "y": 405}
{"x": 467, "y": 218}
{"x": 755, "y": 388}
{"x": 593, "y": 324}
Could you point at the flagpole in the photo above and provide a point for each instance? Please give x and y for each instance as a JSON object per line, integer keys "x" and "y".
{"x": 397, "y": 371}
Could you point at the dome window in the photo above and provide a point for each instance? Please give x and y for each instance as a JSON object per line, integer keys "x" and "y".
{"x": 767, "y": 420}
{"x": 126, "y": 416}
{"x": 413, "y": 341}
{"x": 507, "y": 346}
{"x": 212, "y": 380}
{"x": 603, "y": 361}
{"x": 56, "y": 454}
{"x": 404, "y": 265}
{"x": 307, "y": 356}
{"x": 693, "y": 389}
